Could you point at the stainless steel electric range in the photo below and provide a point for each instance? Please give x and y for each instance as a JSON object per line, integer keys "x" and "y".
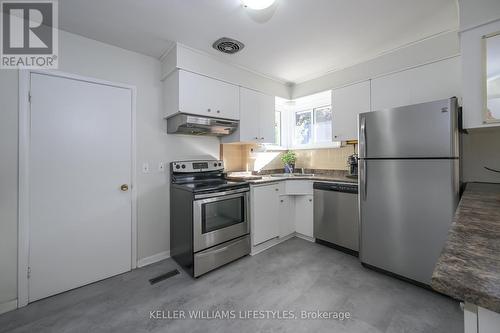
{"x": 209, "y": 216}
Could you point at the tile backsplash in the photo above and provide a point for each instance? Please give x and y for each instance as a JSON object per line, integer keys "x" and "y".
{"x": 248, "y": 157}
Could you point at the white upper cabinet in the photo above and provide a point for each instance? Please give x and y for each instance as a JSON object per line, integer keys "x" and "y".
{"x": 192, "y": 93}
{"x": 347, "y": 103}
{"x": 256, "y": 118}
{"x": 426, "y": 83}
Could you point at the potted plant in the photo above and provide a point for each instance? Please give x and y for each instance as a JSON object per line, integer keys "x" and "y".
{"x": 288, "y": 158}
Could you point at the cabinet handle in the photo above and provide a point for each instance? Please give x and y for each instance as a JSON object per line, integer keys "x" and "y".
{"x": 262, "y": 138}
{"x": 209, "y": 110}
{"x": 276, "y": 189}
{"x": 218, "y": 111}
{"x": 281, "y": 200}
{"x": 310, "y": 200}
{"x": 256, "y": 138}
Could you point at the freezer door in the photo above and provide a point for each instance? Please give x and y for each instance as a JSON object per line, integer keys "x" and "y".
{"x": 406, "y": 209}
{"x": 420, "y": 130}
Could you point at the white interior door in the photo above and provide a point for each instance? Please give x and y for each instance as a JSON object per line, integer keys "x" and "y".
{"x": 80, "y": 155}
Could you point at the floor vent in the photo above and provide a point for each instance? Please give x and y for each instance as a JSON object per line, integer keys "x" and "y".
{"x": 163, "y": 276}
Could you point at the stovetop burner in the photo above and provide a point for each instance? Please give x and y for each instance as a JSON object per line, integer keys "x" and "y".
{"x": 202, "y": 176}
{"x": 212, "y": 185}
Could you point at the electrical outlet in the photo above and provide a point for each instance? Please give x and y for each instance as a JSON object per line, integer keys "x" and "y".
{"x": 145, "y": 167}
{"x": 161, "y": 167}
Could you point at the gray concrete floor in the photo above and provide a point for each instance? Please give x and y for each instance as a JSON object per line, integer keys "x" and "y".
{"x": 293, "y": 276}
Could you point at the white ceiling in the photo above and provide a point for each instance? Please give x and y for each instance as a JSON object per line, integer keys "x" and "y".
{"x": 293, "y": 41}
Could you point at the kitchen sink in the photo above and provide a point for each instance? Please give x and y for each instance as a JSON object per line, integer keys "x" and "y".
{"x": 291, "y": 175}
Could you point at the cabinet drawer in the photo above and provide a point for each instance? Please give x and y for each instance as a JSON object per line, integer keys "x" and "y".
{"x": 298, "y": 187}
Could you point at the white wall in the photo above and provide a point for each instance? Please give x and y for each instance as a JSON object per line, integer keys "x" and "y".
{"x": 8, "y": 185}
{"x": 87, "y": 57}
{"x": 476, "y": 12}
{"x": 426, "y": 51}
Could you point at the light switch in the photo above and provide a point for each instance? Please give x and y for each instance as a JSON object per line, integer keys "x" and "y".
{"x": 161, "y": 167}
{"x": 145, "y": 167}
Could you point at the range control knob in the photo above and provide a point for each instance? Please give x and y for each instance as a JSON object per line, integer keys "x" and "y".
{"x": 220, "y": 164}
{"x": 184, "y": 166}
{"x": 215, "y": 164}
{"x": 177, "y": 166}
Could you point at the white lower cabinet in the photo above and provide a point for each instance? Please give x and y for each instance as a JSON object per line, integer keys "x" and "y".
{"x": 286, "y": 216}
{"x": 275, "y": 213}
{"x": 265, "y": 206}
{"x": 304, "y": 215}
{"x": 480, "y": 320}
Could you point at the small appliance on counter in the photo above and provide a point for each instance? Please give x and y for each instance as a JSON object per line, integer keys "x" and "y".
{"x": 209, "y": 216}
{"x": 352, "y": 163}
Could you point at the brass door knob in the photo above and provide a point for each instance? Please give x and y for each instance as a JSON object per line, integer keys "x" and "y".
{"x": 124, "y": 187}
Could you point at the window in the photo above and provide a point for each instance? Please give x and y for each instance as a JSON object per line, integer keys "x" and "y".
{"x": 312, "y": 120}
{"x": 302, "y": 130}
{"x": 323, "y": 124}
{"x": 313, "y": 126}
{"x": 304, "y": 123}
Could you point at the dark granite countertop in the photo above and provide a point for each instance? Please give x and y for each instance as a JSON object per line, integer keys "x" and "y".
{"x": 318, "y": 175}
{"x": 269, "y": 179}
{"x": 469, "y": 266}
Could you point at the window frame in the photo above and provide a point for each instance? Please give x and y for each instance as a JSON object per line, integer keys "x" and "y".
{"x": 288, "y": 109}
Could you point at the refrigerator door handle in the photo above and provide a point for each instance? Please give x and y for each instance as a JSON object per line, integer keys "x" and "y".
{"x": 363, "y": 180}
{"x": 363, "y": 136}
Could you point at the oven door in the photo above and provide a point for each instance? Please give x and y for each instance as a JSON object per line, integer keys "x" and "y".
{"x": 220, "y": 217}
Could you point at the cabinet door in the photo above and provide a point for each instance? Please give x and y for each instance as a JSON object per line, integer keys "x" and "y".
{"x": 267, "y": 118}
{"x": 265, "y": 213}
{"x": 286, "y": 215}
{"x": 426, "y": 83}
{"x": 249, "y": 115}
{"x": 347, "y": 103}
{"x": 202, "y": 95}
{"x": 304, "y": 215}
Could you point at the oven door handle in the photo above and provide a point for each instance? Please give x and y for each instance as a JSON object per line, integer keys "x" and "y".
{"x": 220, "y": 194}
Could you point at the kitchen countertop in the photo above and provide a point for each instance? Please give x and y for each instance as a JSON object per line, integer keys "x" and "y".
{"x": 469, "y": 266}
{"x": 316, "y": 177}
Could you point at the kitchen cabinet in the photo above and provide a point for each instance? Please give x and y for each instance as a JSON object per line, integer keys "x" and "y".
{"x": 265, "y": 212}
{"x": 304, "y": 206}
{"x": 286, "y": 217}
{"x": 480, "y": 320}
{"x": 256, "y": 118}
{"x": 438, "y": 80}
{"x": 298, "y": 187}
{"x": 347, "y": 103}
{"x": 192, "y": 93}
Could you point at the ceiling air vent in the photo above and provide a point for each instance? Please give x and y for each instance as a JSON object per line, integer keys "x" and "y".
{"x": 228, "y": 45}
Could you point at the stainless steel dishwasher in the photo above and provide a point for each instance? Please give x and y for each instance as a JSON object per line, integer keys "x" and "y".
{"x": 336, "y": 216}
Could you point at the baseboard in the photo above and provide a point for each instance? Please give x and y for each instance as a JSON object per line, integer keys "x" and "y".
{"x": 304, "y": 237}
{"x": 152, "y": 259}
{"x": 8, "y": 306}
{"x": 270, "y": 243}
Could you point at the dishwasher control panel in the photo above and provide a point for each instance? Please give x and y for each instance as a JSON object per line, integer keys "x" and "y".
{"x": 338, "y": 187}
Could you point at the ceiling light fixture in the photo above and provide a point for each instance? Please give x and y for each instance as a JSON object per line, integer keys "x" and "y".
{"x": 257, "y": 4}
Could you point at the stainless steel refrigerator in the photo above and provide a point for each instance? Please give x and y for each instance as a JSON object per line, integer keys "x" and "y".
{"x": 408, "y": 186}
